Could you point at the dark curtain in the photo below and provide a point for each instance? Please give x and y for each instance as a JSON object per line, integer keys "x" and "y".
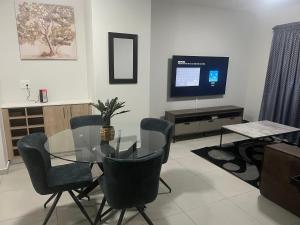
{"x": 281, "y": 98}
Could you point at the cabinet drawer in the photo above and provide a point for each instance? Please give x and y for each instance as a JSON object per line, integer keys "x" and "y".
{"x": 186, "y": 128}
{"x": 209, "y": 125}
{"x": 232, "y": 120}
{"x": 212, "y": 125}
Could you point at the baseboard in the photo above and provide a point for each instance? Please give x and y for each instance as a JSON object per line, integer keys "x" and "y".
{"x": 5, "y": 170}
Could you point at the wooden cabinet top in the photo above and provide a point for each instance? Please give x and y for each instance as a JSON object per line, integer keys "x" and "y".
{"x": 218, "y": 109}
{"x": 50, "y": 103}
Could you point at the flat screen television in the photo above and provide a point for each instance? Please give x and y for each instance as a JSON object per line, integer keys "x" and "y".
{"x": 198, "y": 76}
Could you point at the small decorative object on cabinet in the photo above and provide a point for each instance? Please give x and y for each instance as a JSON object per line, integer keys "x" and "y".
{"x": 108, "y": 110}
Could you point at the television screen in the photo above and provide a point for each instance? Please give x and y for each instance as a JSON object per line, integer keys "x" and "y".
{"x": 198, "y": 76}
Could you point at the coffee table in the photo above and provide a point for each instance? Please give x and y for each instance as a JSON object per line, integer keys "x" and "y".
{"x": 259, "y": 129}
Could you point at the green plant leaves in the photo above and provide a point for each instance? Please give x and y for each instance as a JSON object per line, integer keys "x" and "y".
{"x": 109, "y": 109}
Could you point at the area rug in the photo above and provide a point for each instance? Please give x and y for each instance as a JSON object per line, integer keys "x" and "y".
{"x": 242, "y": 159}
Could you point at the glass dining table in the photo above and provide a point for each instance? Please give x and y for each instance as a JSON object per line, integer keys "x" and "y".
{"x": 84, "y": 145}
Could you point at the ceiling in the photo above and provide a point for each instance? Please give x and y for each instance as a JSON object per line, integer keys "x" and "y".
{"x": 249, "y": 5}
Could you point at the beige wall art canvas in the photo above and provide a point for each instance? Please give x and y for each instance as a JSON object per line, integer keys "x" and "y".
{"x": 45, "y": 31}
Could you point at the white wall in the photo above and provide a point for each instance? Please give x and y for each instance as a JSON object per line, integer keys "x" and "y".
{"x": 65, "y": 80}
{"x": 190, "y": 29}
{"x": 89, "y": 49}
{"x": 130, "y": 16}
{"x": 267, "y": 19}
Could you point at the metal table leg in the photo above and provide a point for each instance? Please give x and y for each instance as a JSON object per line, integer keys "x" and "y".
{"x": 221, "y": 137}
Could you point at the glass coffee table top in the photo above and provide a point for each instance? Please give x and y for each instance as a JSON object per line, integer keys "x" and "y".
{"x": 84, "y": 144}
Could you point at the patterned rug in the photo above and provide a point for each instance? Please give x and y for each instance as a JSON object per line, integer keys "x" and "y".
{"x": 242, "y": 159}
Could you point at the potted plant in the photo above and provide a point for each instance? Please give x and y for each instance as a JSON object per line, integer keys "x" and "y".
{"x": 108, "y": 110}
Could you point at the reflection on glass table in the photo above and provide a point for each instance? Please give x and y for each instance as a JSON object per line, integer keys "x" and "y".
{"x": 84, "y": 145}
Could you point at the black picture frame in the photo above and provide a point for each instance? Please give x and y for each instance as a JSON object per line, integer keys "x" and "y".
{"x": 112, "y": 78}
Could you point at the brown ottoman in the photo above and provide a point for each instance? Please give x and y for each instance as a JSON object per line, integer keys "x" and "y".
{"x": 281, "y": 162}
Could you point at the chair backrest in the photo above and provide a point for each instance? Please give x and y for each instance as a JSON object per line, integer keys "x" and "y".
{"x": 88, "y": 120}
{"x": 131, "y": 183}
{"x": 37, "y": 160}
{"x": 163, "y": 126}
{"x": 80, "y": 136}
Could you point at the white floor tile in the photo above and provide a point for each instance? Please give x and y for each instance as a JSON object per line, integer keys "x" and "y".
{"x": 21, "y": 203}
{"x": 228, "y": 184}
{"x": 180, "y": 219}
{"x": 222, "y": 212}
{"x": 197, "y": 165}
{"x": 31, "y": 220}
{"x": 190, "y": 191}
{"x": 163, "y": 206}
{"x": 16, "y": 179}
{"x": 71, "y": 215}
{"x": 265, "y": 211}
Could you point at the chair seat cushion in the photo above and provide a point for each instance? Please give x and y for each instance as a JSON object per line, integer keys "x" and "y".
{"x": 69, "y": 177}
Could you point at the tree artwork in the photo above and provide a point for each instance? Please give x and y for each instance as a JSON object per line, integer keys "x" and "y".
{"x": 45, "y": 31}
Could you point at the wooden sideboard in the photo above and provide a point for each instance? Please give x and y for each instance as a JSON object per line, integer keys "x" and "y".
{"x": 201, "y": 120}
{"x": 50, "y": 119}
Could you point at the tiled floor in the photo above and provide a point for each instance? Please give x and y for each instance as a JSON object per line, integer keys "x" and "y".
{"x": 203, "y": 194}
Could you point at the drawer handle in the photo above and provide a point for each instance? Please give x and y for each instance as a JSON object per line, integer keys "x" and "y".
{"x": 186, "y": 123}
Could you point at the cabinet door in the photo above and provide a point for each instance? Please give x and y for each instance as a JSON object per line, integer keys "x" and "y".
{"x": 80, "y": 110}
{"x": 56, "y": 119}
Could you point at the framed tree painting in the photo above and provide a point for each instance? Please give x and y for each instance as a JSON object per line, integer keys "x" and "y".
{"x": 45, "y": 31}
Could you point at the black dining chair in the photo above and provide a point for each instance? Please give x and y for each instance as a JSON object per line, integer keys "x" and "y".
{"x": 82, "y": 121}
{"x": 88, "y": 120}
{"x": 47, "y": 179}
{"x": 167, "y": 129}
{"x": 130, "y": 183}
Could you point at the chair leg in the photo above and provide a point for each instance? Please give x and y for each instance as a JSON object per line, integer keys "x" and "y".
{"x": 91, "y": 165}
{"x": 99, "y": 216}
{"x": 83, "y": 194}
{"x": 141, "y": 210}
{"x": 52, "y": 208}
{"x": 49, "y": 200}
{"x": 87, "y": 190}
{"x": 80, "y": 207}
{"x": 100, "y": 165}
{"x": 169, "y": 188}
{"x": 121, "y": 217}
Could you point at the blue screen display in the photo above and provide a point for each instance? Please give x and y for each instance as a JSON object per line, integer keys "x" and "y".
{"x": 213, "y": 76}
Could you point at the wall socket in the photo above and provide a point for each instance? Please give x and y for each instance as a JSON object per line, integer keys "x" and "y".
{"x": 24, "y": 84}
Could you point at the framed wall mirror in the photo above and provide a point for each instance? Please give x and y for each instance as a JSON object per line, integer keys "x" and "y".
{"x": 123, "y": 58}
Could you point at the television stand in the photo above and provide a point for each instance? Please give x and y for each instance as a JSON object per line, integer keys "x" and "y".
{"x": 189, "y": 122}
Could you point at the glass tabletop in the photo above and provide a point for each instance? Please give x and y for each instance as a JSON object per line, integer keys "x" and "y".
{"x": 84, "y": 144}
